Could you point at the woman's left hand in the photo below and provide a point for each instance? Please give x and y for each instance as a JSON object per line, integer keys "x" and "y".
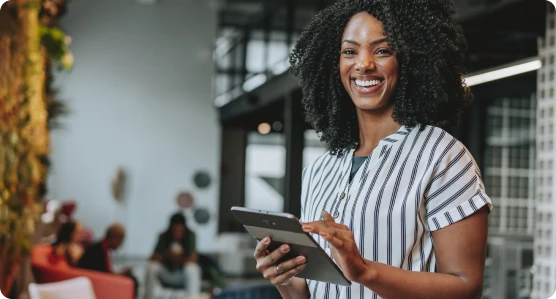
{"x": 344, "y": 249}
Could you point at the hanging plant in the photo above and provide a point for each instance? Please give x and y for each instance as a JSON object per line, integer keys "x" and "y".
{"x": 29, "y": 43}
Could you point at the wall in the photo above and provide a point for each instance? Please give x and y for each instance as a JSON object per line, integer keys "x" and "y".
{"x": 140, "y": 98}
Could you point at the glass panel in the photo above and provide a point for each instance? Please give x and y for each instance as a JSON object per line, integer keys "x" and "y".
{"x": 264, "y": 171}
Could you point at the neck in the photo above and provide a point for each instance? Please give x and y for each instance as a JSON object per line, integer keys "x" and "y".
{"x": 373, "y": 126}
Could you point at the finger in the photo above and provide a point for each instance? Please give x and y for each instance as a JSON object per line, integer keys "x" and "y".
{"x": 280, "y": 279}
{"x": 274, "y": 256}
{"x": 314, "y": 227}
{"x": 273, "y": 271}
{"x": 327, "y": 217}
{"x": 334, "y": 241}
{"x": 320, "y": 226}
{"x": 260, "y": 250}
{"x": 290, "y": 264}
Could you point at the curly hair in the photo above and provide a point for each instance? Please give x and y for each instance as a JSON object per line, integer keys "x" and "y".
{"x": 429, "y": 46}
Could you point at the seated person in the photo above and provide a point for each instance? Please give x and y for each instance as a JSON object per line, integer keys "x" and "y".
{"x": 174, "y": 261}
{"x": 97, "y": 256}
{"x": 66, "y": 248}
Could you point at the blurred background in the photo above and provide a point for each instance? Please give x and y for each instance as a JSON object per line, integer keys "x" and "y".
{"x": 187, "y": 106}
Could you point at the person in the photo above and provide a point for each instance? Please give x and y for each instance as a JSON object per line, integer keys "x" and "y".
{"x": 51, "y": 221}
{"x": 97, "y": 256}
{"x": 67, "y": 248}
{"x": 397, "y": 202}
{"x": 174, "y": 260}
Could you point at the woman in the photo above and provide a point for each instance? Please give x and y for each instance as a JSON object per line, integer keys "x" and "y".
{"x": 397, "y": 202}
{"x": 174, "y": 261}
{"x": 67, "y": 248}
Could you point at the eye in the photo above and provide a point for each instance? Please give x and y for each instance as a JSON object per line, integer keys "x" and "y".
{"x": 384, "y": 52}
{"x": 349, "y": 52}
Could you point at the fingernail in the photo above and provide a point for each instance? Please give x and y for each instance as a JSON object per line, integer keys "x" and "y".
{"x": 324, "y": 235}
{"x": 301, "y": 259}
{"x": 285, "y": 248}
{"x": 266, "y": 240}
{"x": 307, "y": 228}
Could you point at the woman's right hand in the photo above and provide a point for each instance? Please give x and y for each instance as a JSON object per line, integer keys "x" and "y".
{"x": 277, "y": 274}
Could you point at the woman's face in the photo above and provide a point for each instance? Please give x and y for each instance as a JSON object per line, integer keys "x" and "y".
{"x": 368, "y": 65}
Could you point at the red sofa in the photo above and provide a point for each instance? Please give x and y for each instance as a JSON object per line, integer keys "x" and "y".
{"x": 106, "y": 286}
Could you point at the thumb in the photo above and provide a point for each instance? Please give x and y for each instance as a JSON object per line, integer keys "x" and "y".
{"x": 327, "y": 217}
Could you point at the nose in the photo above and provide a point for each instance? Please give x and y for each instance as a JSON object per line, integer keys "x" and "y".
{"x": 365, "y": 63}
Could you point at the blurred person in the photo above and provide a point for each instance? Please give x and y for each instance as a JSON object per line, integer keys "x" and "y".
{"x": 55, "y": 214}
{"x": 67, "y": 246}
{"x": 397, "y": 202}
{"x": 97, "y": 256}
{"x": 174, "y": 261}
{"x": 51, "y": 220}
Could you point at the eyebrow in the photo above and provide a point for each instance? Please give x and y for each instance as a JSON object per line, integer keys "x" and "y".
{"x": 373, "y": 43}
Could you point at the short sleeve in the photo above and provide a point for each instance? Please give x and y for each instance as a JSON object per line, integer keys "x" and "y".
{"x": 455, "y": 189}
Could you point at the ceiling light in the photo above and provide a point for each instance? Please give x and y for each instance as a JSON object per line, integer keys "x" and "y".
{"x": 516, "y": 68}
{"x": 264, "y": 128}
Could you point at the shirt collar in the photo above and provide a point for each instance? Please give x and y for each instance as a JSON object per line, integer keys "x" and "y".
{"x": 399, "y": 135}
{"x": 402, "y": 132}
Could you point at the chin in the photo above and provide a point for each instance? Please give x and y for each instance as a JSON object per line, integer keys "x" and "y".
{"x": 371, "y": 105}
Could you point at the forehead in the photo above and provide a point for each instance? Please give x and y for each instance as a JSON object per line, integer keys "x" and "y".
{"x": 363, "y": 26}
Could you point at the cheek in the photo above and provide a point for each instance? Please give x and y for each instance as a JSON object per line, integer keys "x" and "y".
{"x": 392, "y": 70}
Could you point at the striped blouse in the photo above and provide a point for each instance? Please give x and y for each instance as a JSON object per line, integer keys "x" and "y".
{"x": 412, "y": 184}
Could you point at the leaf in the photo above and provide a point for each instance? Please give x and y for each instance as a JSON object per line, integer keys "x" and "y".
{"x": 54, "y": 40}
{"x": 24, "y": 102}
{"x": 23, "y": 89}
{"x": 44, "y": 160}
{"x": 13, "y": 12}
{"x": 31, "y": 5}
{"x": 24, "y": 122}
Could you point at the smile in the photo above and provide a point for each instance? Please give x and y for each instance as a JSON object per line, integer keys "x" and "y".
{"x": 370, "y": 83}
{"x": 367, "y": 87}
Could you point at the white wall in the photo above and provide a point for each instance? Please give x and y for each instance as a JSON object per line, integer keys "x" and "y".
{"x": 140, "y": 98}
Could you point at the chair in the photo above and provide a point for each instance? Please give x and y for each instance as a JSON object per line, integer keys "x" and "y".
{"x": 105, "y": 285}
{"x": 66, "y": 289}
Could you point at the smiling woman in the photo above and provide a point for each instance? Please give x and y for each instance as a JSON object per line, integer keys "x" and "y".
{"x": 397, "y": 202}
{"x": 418, "y": 40}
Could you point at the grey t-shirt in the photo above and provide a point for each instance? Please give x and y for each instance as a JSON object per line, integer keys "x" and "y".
{"x": 356, "y": 164}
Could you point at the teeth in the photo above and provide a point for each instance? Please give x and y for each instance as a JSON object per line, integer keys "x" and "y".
{"x": 367, "y": 83}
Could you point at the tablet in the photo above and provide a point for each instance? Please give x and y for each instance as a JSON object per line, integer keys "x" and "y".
{"x": 283, "y": 228}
